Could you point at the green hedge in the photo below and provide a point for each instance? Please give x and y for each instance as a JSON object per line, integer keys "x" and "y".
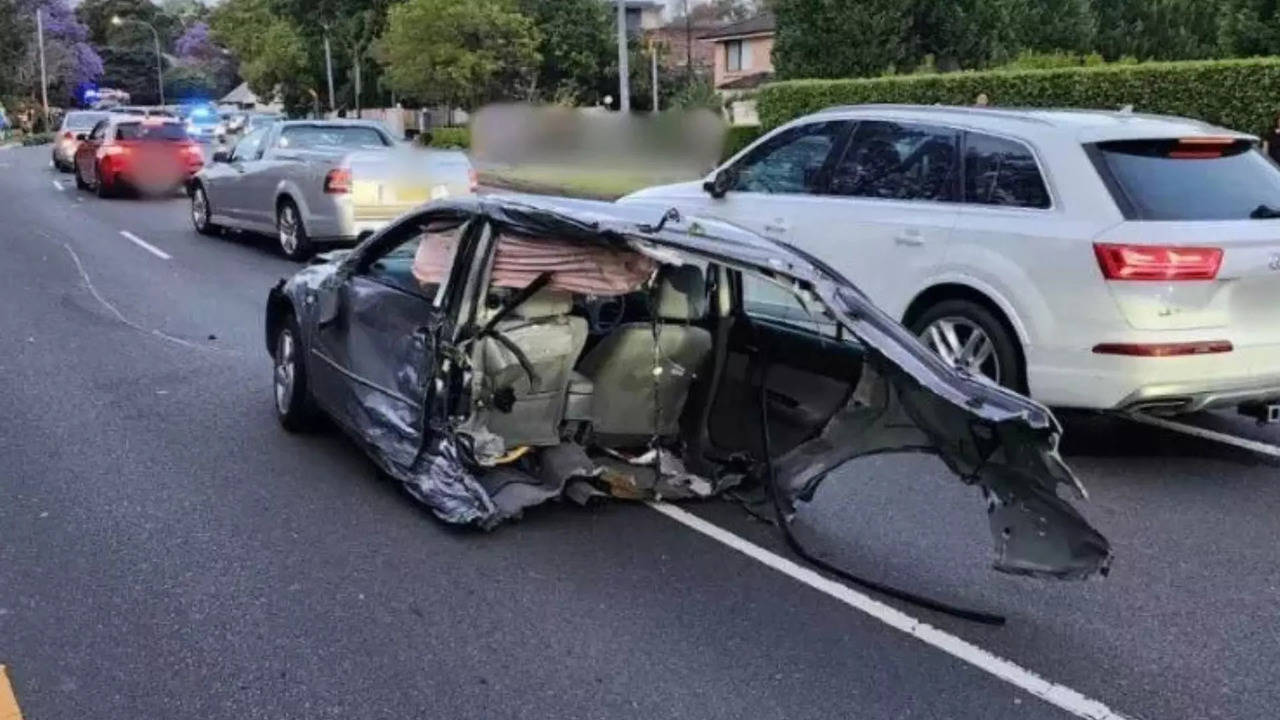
{"x": 1239, "y": 94}
{"x": 449, "y": 137}
{"x": 43, "y": 138}
{"x": 738, "y": 137}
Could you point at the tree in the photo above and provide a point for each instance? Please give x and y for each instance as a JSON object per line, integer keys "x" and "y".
{"x": 97, "y": 14}
{"x": 814, "y": 39}
{"x": 187, "y": 82}
{"x": 1250, "y": 27}
{"x": 577, "y": 45}
{"x": 459, "y": 52}
{"x": 1157, "y": 29}
{"x": 1055, "y": 26}
{"x": 961, "y": 34}
{"x": 273, "y": 59}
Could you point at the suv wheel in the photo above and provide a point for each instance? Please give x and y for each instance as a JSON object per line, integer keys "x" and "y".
{"x": 294, "y": 242}
{"x": 295, "y": 409}
{"x": 968, "y": 335}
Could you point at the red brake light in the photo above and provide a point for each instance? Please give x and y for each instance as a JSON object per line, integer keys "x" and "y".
{"x": 1164, "y": 349}
{"x": 67, "y": 135}
{"x": 1157, "y": 262}
{"x": 337, "y": 181}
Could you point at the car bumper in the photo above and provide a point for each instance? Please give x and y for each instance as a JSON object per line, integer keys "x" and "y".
{"x": 1167, "y": 385}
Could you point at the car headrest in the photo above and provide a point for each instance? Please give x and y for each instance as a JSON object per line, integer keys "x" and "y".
{"x": 682, "y": 293}
{"x": 547, "y": 302}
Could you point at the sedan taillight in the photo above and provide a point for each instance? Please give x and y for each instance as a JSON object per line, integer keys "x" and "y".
{"x": 337, "y": 181}
{"x": 1157, "y": 262}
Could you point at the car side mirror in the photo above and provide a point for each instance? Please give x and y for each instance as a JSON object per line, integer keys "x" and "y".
{"x": 718, "y": 185}
{"x": 222, "y": 156}
{"x": 81, "y": 136}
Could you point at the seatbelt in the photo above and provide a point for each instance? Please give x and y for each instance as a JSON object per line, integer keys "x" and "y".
{"x": 507, "y": 308}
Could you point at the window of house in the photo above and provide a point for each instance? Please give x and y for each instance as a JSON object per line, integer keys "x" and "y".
{"x": 736, "y": 56}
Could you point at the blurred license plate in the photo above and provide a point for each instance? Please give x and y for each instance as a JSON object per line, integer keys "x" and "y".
{"x": 412, "y": 193}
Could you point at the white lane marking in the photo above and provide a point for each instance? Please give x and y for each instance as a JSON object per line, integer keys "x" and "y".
{"x": 145, "y": 245}
{"x": 1057, "y": 695}
{"x": 57, "y": 185}
{"x": 1252, "y": 445}
{"x": 121, "y": 316}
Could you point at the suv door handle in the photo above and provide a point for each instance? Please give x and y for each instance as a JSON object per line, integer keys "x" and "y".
{"x": 777, "y": 226}
{"x": 908, "y": 238}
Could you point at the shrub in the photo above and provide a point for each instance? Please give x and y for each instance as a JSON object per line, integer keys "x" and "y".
{"x": 1238, "y": 94}
{"x": 738, "y": 137}
{"x": 448, "y": 137}
{"x": 41, "y": 138}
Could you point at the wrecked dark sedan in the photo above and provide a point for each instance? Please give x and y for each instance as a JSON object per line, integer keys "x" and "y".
{"x": 495, "y": 353}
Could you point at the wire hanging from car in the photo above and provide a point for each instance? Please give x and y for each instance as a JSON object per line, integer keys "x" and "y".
{"x": 774, "y": 492}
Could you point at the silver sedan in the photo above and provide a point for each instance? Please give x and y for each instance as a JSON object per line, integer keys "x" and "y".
{"x": 318, "y": 182}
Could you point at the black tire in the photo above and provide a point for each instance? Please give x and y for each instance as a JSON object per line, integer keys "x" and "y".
{"x": 298, "y": 247}
{"x": 200, "y": 218}
{"x": 1006, "y": 351}
{"x": 80, "y": 183}
{"x": 295, "y": 408}
{"x": 100, "y": 187}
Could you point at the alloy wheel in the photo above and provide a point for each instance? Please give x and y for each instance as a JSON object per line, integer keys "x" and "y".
{"x": 286, "y": 370}
{"x": 199, "y": 208}
{"x": 288, "y": 225}
{"x": 964, "y": 344}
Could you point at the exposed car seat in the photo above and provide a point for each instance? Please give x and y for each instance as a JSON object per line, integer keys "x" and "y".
{"x": 629, "y": 402}
{"x": 521, "y": 410}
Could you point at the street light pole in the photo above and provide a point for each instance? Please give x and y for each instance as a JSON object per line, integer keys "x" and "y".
{"x": 44, "y": 79}
{"x": 328, "y": 65}
{"x": 624, "y": 73}
{"x": 155, "y": 37}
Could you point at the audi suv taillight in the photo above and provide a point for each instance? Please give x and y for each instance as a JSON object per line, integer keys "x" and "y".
{"x": 1157, "y": 263}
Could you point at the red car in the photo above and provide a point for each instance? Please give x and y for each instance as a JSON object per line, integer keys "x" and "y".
{"x": 149, "y": 155}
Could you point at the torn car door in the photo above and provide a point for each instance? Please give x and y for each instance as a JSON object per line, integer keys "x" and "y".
{"x": 907, "y": 400}
{"x": 373, "y": 353}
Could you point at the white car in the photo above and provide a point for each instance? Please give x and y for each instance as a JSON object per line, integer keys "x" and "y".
{"x": 1101, "y": 260}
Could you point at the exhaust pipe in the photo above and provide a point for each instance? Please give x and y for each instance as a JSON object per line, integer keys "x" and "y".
{"x": 1266, "y": 413}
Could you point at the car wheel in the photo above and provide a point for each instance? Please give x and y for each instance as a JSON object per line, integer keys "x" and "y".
{"x": 80, "y": 183}
{"x": 292, "y": 235}
{"x": 100, "y": 187}
{"x": 295, "y": 408}
{"x": 200, "y": 212}
{"x": 969, "y": 336}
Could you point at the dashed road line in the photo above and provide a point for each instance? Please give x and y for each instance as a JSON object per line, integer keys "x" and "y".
{"x": 146, "y": 245}
{"x": 9, "y": 709}
{"x": 1204, "y": 434}
{"x": 1057, "y": 695}
{"x": 57, "y": 185}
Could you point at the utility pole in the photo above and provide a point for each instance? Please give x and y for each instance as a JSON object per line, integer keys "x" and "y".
{"x": 356, "y": 70}
{"x": 328, "y": 66}
{"x": 688, "y": 43}
{"x": 624, "y": 73}
{"x": 653, "y": 56}
{"x": 44, "y": 80}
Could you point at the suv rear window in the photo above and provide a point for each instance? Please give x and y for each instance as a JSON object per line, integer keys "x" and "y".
{"x": 1172, "y": 179}
{"x": 150, "y": 131}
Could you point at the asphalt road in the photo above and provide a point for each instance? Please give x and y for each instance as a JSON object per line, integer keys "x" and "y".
{"x": 167, "y": 551}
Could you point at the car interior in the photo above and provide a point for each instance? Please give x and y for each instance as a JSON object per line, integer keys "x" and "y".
{"x": 645, "y": 387}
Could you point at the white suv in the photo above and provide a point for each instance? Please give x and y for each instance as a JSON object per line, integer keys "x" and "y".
{"x": 1104, "y": 260}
